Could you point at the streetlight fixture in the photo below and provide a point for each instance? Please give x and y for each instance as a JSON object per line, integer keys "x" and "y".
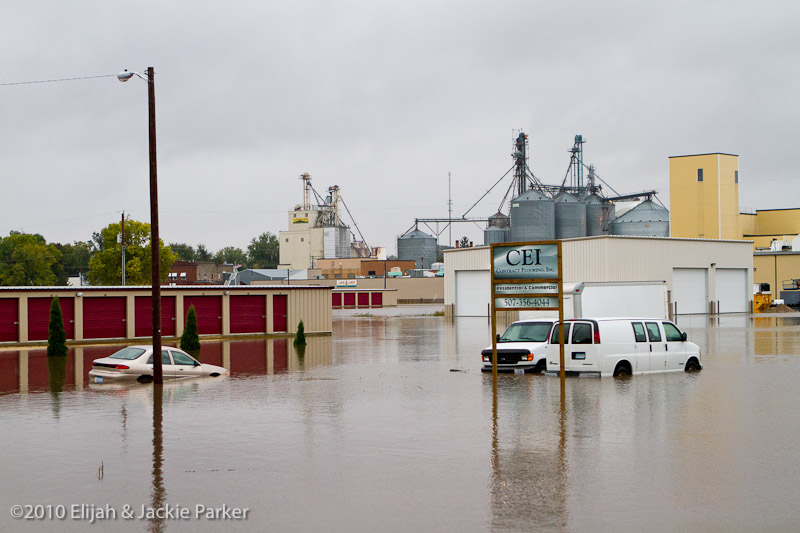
{"x": 155, "y": 242}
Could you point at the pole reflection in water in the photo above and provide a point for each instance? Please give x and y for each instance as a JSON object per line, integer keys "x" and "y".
{"x": 159, "y": 493}
{"x": 528, "y": 480}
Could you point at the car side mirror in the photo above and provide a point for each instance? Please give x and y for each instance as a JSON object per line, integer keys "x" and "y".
{"x": 683, "y": 336}
{"x": 498, "y": 337}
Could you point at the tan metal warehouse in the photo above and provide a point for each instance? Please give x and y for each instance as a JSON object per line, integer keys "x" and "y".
{"x": 101, "y": 313}
{"x": 702, "y": 275}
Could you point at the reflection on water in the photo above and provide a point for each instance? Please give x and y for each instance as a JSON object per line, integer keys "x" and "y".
{"x": 24, "y": 370}
{"x": 370, "y": 430}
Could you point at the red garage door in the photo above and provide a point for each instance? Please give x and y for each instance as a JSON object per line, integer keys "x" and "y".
{"x": 144, "y": 316}
{"x": 279, "y": 313}
{"x": 209, "y": 313}
{"x": 363, "y": 299}
{"x": 248, "y": 314}
{"x": 104, "y": 317}
{"x": 377, "y": 299}
{"x": 349, "y": 299}
{"x": 39, "y": 317}
{"x": 9, "y": 320}
{"x": 336, "y": 299}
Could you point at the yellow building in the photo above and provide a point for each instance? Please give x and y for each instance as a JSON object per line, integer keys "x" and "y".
{"x": 704, "y": 196}
{"x": 767, "y": 225}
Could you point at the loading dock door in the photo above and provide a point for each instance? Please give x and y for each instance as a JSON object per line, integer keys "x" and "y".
{"x": 472, "y": 292}
{"x": 690, "y": 290}
{"x": 731, "y": 286}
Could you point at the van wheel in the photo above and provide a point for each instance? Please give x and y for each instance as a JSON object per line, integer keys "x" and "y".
{"x": 540, "y": 367}
{"x": 622, "y": 371}
{"x": 692, "y": 366}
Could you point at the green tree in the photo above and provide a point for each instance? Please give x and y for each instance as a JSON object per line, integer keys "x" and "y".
{"x": 27, "y": 259}
{"x": 263, "y": 251}
{"x": 202, "y": 253}
{"x": 74, "y": 260}
{"x": 464, "y": 242}
{"x": 190, "y": 339}
{"x": 183, "y": 251}
{"x": 56, "y": 336}
{"x": 231, "y": 255}
{"x": 300, "y": 337}
{"x": 105, "y": 265}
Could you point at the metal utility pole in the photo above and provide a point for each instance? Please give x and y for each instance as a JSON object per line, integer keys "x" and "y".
{"x": 449, "y": 211}
{"x": 155, "y": 242}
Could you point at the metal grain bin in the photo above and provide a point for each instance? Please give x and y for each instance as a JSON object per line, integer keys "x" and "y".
{"x": 647, "y": 219}
{"x": 599, "y": 214}
{"x": 417, "y": 246}
{"x": 494, "y": 234}
{"x": 533, "y": 217}
{"x": 499, "y": 220}
{"x": 570, "y": 216}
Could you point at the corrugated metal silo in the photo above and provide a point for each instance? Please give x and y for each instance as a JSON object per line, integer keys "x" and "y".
{"x": 533, "y": 217}
{"x": 599, "y": 214}
{"x": 493, "y": 234}
{"x": 499, "y": 220}
{"x": 570, "y": 216}
{"x": 647, "y": 219}
{"x": 417, "y": 246}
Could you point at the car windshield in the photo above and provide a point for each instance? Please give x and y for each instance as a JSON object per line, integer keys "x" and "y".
{"x": 531, "y": 332}
{"x": 127, "y": 353}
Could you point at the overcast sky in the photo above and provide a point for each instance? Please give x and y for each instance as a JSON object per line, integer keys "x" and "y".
{"x": 382, "y": 99}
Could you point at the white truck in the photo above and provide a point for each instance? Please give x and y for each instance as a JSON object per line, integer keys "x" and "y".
{"x": 524, "y": 344}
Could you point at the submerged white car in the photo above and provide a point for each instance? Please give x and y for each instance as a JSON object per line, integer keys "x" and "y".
{"x": 136, "y": 363}
{"x": 522, "y": 346}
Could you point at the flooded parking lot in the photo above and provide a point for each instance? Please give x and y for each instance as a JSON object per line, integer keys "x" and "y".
{"x": 373, "y": 430}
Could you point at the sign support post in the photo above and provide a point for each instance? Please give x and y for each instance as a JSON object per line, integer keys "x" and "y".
{"x": 527, "y": 276}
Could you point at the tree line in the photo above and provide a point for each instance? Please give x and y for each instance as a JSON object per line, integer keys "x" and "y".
{"x": 29, "y": 260}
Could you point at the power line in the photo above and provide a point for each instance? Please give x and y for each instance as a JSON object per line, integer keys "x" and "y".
{"x": 56, "y": 80}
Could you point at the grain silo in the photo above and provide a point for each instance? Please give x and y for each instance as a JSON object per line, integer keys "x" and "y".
{"x": 533, "y": 217}
{"x": 599, "y": 214}
{"x": 570, "y": 216}
{"x": 647, "y": 219}
{"x": 417, "y": 246}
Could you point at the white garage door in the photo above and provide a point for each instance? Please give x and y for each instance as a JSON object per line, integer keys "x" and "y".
{"x": 472, "y": 292}
{"x": 690, "y": 290}
{"x": 732, "y": 290}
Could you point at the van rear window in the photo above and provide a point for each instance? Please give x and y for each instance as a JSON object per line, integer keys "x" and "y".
{"x": 582, "y": 333}
{"x": 638, "y": 332}
{"x": 653, "y": 331}
{"x": 554, "y": 337}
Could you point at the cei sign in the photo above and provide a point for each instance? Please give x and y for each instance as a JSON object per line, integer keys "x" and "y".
{"x": 525, "y": 261}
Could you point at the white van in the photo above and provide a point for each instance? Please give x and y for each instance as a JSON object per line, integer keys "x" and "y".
{"x": 522, "y": 346}
{"x": 622, "y": 347}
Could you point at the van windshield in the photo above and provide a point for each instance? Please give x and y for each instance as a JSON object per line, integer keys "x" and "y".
{"x": 530, "y": 332}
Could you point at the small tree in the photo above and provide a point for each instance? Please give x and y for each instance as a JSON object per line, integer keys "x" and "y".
{"x": 190, "y": 339}
{"x": 56, "y": 336}
{"x": 300, "y": 338}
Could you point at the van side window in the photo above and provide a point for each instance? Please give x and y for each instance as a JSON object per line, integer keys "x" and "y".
{"x": 554, "y": 336}
{"x": 652, "y": 330}
{"x": 638, "y": 332}
{"x": 582, "y": 333}
{"x": 672, "y": 333}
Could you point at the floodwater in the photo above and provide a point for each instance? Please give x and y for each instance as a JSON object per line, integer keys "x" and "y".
{"x": 373, "y": 430}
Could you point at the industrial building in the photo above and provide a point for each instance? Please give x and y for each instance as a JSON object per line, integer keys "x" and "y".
{"x": 317, "y": 231}
{"x": 577, "y": 207}
{"x": 702, "y": 275}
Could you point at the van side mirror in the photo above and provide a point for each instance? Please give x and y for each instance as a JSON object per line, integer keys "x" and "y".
{"x": 683, "y": 336}
{"x": 498, "y": 337}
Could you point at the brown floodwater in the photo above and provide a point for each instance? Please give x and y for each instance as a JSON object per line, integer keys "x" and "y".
{"x": 389, "y": 425}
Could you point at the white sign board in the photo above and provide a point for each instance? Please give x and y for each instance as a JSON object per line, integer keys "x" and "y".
{"x": 525, "y": 261}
